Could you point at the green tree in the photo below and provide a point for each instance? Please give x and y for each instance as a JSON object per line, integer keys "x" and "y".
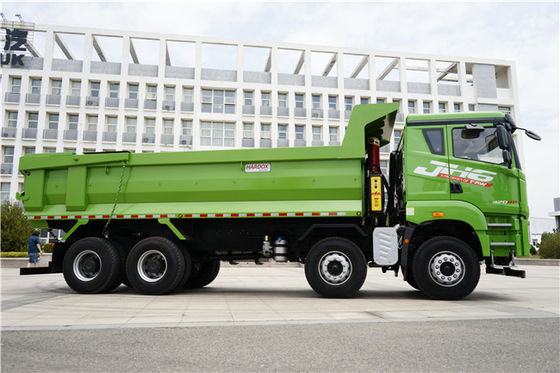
{"x": 550, "y": 245}
{"x": 15, "y": 229}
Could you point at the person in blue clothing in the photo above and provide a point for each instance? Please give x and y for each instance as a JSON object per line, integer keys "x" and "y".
{"x": 34, "y": 247}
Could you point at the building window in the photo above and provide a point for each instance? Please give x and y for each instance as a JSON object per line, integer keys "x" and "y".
{"x": 380, "y": 100}
{"x": 187, "y": 94}
{"x": 247, "y": 130}
{"x": 471, "y": 107}
{"x": 53, "y": 121}
{"x": 5, "y": 193}
{"x": 348, "y": 103}
{"x": 133, "y": 91}
{"x": 505, "y": 109}
{"x": 32, "y": 120}
{"x": 316, "y": 101}
{"x": 248, "y": 98}
{"x": 92, "y": 122}
{"x": 170, "y": 93}
{"x": 186, "y": 127}
{"x": 110, "y": 123}
{"x": 130, "y": 124}
{"x": 333, "y": 134}
{"x": 300, "y": 132}
{"x": 168, "y": 126}
{"x": 149, "y": 125}
{"x": 94, "y": 89}
{"x": 70, "y": 150}
{"x": 442, "y": 107}
{"x": 282, "y": 100}
{"x": 72, "y": 121}
{"x": 456, "y": 107}
{"x": 12, "y": 119}
{"x": 411, "y": 107}
{"x": 265, "y": 131}
{"x": 300, "y": 98}
{"x": 383, "y": 167}
{"x": 49, "y": 150}
{"x": 56, "y": 87}
{"x": 16, "y": 84}
{"x": 114, "y": 90}
{"x": 316, "y": 132}
{"x": 265, "y": 99}
{"x": 8, "y": 154}
{"x": 282, "y": 131}
{"x": 217, "y": 134}
{"x": 75, "y": 86}
{"x": 333, "y": 103}
{"x": 218, "y": 101}
{"x": 36, "y": 85}
{"x": 427, "y": 106}
{"x": 398, "y": 101}
{"x": 151, "y": 91}
{"x": 364, "y": 100}
{"x": 396, "y": 137}
{"x": 28, "y": 150}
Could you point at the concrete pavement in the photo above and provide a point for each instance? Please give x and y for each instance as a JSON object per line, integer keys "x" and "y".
{"x": 269, "y": 295}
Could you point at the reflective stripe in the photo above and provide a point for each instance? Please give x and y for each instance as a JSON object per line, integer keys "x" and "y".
{"x": 218, "y": 215}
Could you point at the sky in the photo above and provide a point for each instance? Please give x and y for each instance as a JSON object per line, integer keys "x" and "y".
{"x": 525, "y": 32}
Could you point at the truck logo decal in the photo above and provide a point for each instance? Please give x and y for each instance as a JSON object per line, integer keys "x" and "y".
{"x": 467, "y": 175}
{"x": 257, "y": 167}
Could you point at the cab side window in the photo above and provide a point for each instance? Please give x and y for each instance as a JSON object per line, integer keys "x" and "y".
{"x": 479, "y": 144}
{"x": 434, "y": 139}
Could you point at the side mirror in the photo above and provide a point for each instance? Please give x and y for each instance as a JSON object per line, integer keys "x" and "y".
{"x": 503, "y": 138}
{"x": 533, "y": 135}
{"x": 506, "y": 154}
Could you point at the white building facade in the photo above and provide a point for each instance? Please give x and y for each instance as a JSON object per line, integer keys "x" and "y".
{"x": 90, "y": 90}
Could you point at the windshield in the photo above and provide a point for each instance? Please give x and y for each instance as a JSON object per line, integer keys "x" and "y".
{"x": 477, "y": 144}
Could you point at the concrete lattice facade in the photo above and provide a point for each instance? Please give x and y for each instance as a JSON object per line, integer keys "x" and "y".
{"x": 94, "y": 104}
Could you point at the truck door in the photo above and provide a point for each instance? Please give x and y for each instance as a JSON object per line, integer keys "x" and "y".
{"x": 477, "y": 171}
{"x": 427, "y": 164}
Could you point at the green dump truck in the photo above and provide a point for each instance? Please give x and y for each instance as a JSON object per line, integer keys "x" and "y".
{"x": 455, "y": 196}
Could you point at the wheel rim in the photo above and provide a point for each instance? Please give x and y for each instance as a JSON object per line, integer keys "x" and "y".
{"x": 152, "y": 265}
{"x": 335, "y": 268}
{"x": 87, "y": 265}
{"x": 447, "y": 268}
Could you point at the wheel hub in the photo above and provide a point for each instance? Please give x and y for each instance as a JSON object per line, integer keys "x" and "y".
{"x": 87, "y": 265}
{"x": 152, "y": 265}
{"x": 335, "y": 268}
{"x": 447, "y": 268}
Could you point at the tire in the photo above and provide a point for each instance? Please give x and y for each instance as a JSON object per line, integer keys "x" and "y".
{"x": 121, "y": 279}
{"x": 156, "y": 265}
{"x": 446, "y": 268}
{"x": 203, "y": 273}
{"x": 335, "y": 268}
{"x": 91, "y": 265}
{"x": 410, "y": 279}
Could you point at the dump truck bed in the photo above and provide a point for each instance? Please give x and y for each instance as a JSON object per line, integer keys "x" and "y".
{"x": 315, "y": 181}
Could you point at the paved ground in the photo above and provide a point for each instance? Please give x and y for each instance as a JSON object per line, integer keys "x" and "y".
{"x": 254, "y": 318}
{"x": 527, "y": 345}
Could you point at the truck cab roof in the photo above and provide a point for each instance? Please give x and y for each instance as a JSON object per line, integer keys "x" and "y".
{"x": 454, "y": 118}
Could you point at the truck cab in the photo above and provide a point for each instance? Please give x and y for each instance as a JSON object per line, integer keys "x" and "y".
{"x": 458, "y": 182}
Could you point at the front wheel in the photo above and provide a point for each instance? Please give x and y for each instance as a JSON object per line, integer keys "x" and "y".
{"x": 335, "y": 268}
{"x": 446, "y": 268}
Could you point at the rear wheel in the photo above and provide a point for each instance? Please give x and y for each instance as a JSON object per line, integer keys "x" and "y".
{"x": 335, "y": 268}
{"x": 156, "y": 265}
{"x": 446, "y": 268}
{"x": 92, "y": 265}
{"x": 203, "y": 273}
